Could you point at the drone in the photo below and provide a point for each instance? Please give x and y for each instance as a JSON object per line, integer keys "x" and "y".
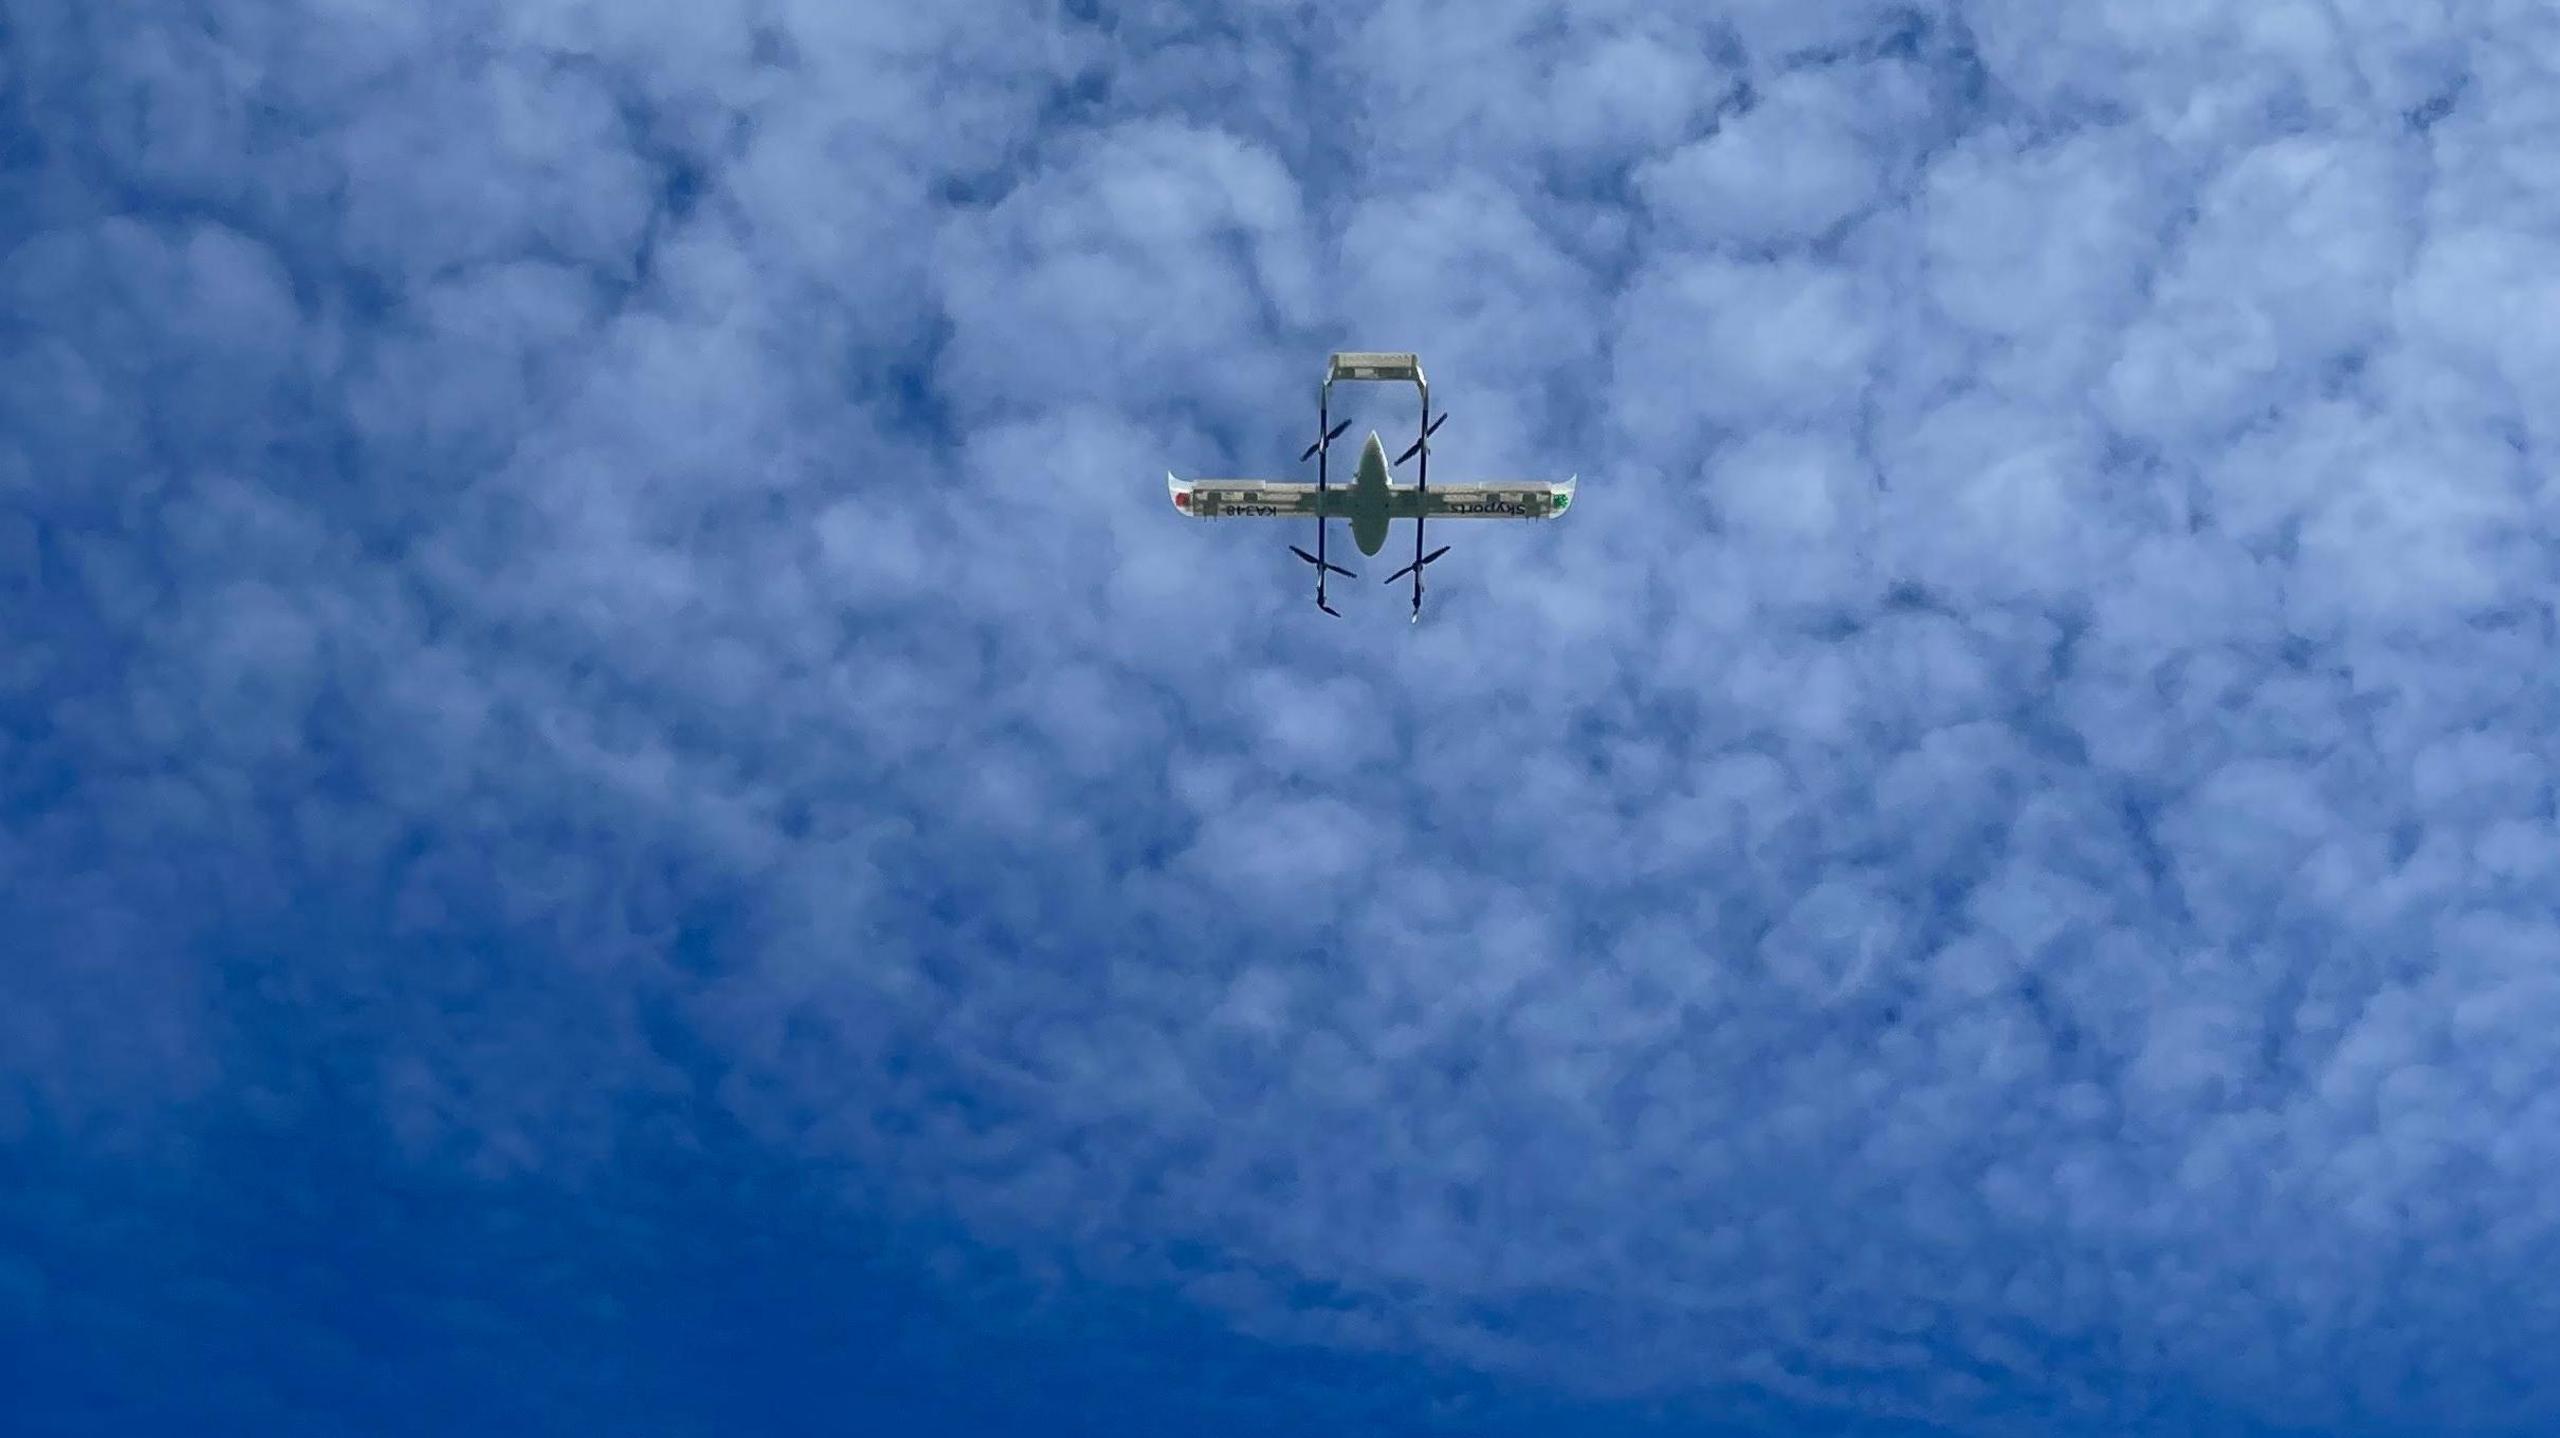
{"x": 1372, "y": 500}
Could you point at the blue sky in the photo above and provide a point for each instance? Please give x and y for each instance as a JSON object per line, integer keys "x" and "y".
{"x": 623, "y": 808}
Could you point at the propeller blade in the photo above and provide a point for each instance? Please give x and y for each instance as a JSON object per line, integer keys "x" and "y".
{"x": 1329, "y": 437}
{"x": 1428, "y": 430}
{"x": 1322, "y": 564}
{"x": 1417, "y": 564}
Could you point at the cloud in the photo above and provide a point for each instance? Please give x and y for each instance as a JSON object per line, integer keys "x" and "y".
{"x": 594, "y": 587}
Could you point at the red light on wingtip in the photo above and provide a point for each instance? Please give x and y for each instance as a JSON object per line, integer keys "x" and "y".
{"x": 1181, "y": 499}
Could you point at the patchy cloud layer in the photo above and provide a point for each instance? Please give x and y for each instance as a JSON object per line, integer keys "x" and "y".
{"x": 1995, "y": 872}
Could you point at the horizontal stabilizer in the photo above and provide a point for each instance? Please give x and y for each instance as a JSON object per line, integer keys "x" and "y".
{"x": 1374, "y": 365}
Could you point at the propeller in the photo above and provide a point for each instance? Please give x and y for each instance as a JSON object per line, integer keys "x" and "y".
{"x": 1417, "y": 564}
{"x": 1416, "y": 447}
{"x": 1322, "y": 564}
{"x": 1329, "y": 437}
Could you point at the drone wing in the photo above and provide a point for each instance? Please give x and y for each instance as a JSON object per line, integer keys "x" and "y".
{"x": 1254, "y": 498}
{"x": 1493, "y": 499}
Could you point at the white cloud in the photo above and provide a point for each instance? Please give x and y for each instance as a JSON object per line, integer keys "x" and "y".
{"x": 1990, "y": 874}
{"x": 1728, "y": 343}
{"x": 1801, "y": 160}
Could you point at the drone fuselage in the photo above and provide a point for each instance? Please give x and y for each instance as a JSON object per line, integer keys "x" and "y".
{"x": 1368, "y": 509}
